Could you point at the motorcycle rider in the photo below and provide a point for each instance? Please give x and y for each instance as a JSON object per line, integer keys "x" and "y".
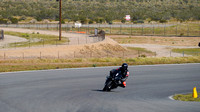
{"x": 123, "y": 74}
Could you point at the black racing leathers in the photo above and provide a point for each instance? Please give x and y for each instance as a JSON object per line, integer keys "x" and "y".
{"x": 123, "y": 75}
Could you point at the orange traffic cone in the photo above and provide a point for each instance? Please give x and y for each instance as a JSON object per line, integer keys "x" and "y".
{"x": 195, "y": 95}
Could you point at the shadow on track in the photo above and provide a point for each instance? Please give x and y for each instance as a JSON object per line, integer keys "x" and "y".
{"x": 99, "y": 90}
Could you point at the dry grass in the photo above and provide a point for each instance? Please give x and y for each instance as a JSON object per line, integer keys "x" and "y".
{"x": 35, "y": 39}
{"x": 186, "y": 97}
{"x": 179, "y": 30}
{"x": 42, "y": 64}
{"x": 172, "y": 41}
{"x": 188, "y": 51}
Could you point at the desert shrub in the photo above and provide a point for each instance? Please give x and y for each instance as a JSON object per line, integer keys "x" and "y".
{"x": 142, "y": 55}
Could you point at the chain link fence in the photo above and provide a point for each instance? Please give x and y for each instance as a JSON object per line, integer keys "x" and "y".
{"x": 77, "y": 54}
{"x": 45, "y": 43}
{"x": 41, "y": 42}
{"x": 179, "y": 29}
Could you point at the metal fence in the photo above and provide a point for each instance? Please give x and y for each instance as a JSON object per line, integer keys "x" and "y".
{"x": 77, "y": 54}
{"x": 45, "y": 43}
{"x": 179, "y": 29}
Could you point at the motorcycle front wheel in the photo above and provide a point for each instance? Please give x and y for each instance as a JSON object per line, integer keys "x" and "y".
{"x": 108, "y": 86}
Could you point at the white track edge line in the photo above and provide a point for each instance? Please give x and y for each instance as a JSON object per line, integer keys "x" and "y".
{"x": 94, "y": 68}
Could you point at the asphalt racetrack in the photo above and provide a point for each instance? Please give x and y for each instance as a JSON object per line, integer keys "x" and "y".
{"x": 79, "y": 90}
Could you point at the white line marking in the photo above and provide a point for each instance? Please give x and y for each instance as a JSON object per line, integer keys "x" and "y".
{"x": 95, "y": 67}
{"x": 171, "y": 97}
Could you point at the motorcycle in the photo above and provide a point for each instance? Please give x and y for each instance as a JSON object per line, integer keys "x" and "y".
{"x": 112, "y": 82}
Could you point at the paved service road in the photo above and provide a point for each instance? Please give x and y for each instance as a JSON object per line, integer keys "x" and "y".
{"x": 75, "y": 38}
{"x": 79, "y": 90}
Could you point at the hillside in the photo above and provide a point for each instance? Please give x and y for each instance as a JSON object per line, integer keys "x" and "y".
{"x": 101, "y": 10}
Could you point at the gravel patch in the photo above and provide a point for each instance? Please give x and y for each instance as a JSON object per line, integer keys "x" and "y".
{"x": 161, "y": 50}
{"x": 75, "y": 39}
{"x": 11, "y": 39}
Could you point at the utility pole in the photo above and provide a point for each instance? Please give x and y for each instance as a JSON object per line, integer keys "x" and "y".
{"x": 60, "y": 18}
{"x": 60, "y": 27}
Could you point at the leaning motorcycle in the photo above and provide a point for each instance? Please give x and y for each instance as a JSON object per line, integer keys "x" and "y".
{"x": 112, "y": 82}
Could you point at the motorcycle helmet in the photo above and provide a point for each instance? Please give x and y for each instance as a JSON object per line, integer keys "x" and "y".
{"x": 124, "y": 66}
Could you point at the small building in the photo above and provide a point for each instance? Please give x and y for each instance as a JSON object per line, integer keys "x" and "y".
{"x": 78, "y": 25}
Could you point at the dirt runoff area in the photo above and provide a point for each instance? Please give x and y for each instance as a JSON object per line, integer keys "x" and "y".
{"x": 107, "y": 48}
{"x": 156, "y": 40}
{"x": 162, "y": 46}
{"x": 99, "y": 49}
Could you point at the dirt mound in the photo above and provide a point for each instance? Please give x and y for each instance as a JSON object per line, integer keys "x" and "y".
{"x": 100, "y": 49}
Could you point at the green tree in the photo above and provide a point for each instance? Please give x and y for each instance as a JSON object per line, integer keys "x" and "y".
{"x": 123, "y": 20}
{"x": 2, "y": 21}
{"x": 14, "y": 20}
